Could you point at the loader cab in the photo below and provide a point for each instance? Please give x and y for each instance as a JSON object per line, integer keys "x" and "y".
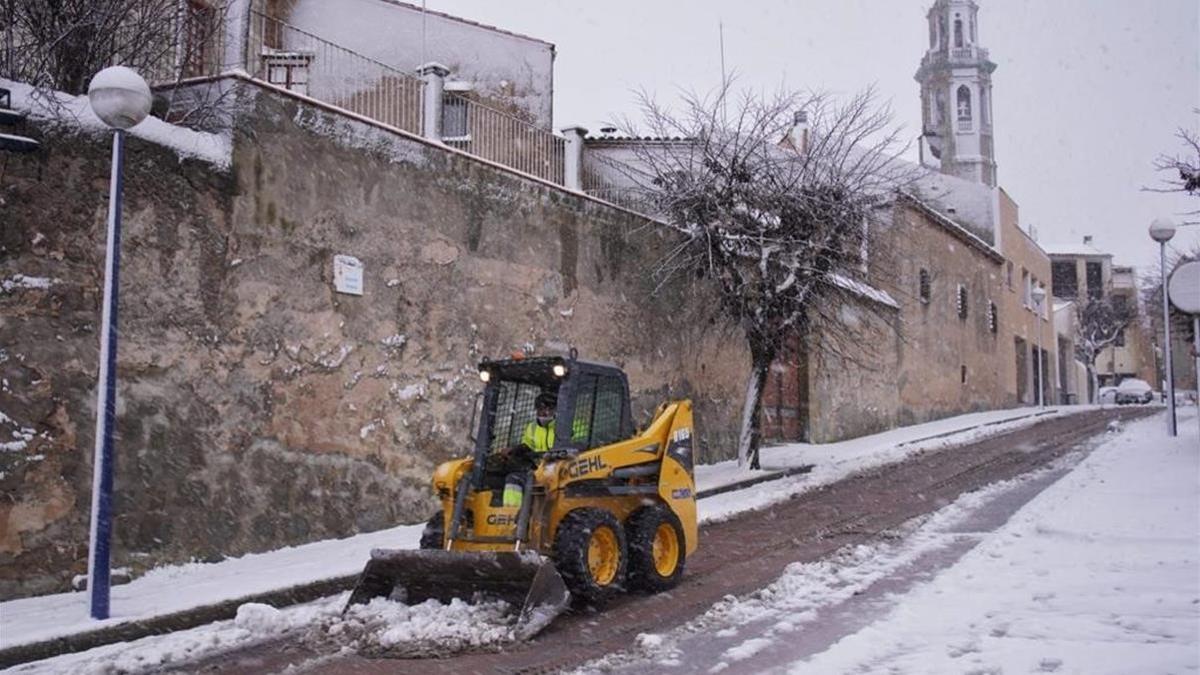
{"x": 593, "y": 402}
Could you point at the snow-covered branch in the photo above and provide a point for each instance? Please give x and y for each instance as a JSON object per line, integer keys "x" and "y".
{"x": 780, "y": 229}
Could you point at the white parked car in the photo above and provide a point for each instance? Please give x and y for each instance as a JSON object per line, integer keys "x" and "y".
{"x": 1107, "y": 395}
{"x": 1133, "y": 390}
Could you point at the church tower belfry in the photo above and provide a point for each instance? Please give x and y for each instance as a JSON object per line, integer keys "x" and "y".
{"x": 956, "y": 94}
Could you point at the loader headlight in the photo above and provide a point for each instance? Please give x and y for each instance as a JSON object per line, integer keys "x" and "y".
{"x": 559, "y": 370}
{"x": 485, "y": 375}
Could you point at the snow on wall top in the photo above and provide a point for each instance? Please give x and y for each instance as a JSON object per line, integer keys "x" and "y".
{"x": 1079, "y": 248}
{"x": 863, "y": 290}
{"x": 74, "y": 112}
{"x": 967, "y": 203}
{"x": 498, "y": 64}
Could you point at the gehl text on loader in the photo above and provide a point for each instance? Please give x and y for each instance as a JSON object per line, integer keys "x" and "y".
{"x": 594, "y": 507}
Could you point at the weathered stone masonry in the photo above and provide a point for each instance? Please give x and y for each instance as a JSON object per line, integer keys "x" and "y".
{"x": 258, "y": 408}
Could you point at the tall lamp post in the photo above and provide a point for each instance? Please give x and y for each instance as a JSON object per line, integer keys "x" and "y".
{"x": 121, "y": 99}
{"x": 1039, "y": 297}
{"x": 1161, "y": 230}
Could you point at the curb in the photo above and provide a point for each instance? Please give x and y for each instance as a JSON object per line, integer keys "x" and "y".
{"x": 170, "y": 623}
{"x": 294, "y": 595}
{"x": 1048, "y": 411}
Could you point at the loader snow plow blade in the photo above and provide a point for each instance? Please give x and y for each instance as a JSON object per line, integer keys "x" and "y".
{"x": 524, "y": 580}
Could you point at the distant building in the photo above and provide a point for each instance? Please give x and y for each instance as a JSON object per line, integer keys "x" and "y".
{"x": 508, "y": 71}
{"x": 1080, "y": 271}
{"x": 1031, "y": 361}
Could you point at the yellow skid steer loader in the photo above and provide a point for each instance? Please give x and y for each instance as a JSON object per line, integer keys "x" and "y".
{"x": 599, "y": 509}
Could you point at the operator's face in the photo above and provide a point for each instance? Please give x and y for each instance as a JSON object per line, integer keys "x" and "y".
{"x": 544, "y": 414}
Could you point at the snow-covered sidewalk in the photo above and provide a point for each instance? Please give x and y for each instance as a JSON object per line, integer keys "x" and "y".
{"x": 173, "y": 589}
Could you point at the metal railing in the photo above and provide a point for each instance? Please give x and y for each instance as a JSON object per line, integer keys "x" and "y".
{"x": 281, "y": 54}
{"x": 193, "y": 44}
{"x": 608, "y": 178}
{"x": 503, "y": 138}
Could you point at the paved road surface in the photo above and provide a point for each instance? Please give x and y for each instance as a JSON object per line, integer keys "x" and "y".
{"x": 736, "y": 557}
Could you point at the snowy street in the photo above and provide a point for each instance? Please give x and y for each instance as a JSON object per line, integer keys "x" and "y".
{"x": 1100, "y": 573}
{"x": 987, "y": 581}
{"x": 376, "y": 336}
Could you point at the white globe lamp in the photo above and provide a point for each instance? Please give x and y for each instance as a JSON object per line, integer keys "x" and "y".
{"x": 119, "y": 97}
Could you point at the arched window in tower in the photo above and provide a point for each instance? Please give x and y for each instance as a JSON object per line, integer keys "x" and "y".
{"x": 964, "y": 107}
{"x": 958, "y": 38}
{"x": 932, "y": 33}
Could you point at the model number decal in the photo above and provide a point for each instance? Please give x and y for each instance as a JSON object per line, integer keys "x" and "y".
{"x": 681, "y": 493}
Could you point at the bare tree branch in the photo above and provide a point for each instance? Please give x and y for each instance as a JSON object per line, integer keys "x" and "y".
{"x": 778, "y": 229}
{"x": 58, "y": 45}
{"x": 1182, "y": 169}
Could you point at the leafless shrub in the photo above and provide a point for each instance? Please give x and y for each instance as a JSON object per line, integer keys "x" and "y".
{"x": 781, "y": 229}
{"x": 57, "y": 45}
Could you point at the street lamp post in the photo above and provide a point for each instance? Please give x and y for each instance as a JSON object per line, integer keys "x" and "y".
{"x": 1039, "y": 297}
{"x": 1161, "y": 230}
{"x": 121, "y": 99}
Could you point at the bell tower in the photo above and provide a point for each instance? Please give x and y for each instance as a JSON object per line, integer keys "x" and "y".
{"x": 956, "y": 95}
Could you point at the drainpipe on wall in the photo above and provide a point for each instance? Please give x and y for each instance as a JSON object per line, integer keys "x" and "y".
{"x": 573, "y": 160}
{"x": 434, "y": 74}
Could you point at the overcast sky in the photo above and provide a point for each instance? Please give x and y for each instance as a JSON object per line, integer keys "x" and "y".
{"x": 1087, "y": 92}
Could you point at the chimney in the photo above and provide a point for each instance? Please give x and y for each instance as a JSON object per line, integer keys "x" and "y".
{"x": 1087, "y": 240}
{"x": 798, "y": 137}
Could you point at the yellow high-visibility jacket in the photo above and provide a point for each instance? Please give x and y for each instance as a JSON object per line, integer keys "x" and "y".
{"x": 541, "y": 438}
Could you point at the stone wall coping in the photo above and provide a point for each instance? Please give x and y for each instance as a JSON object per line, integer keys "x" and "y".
{"x": 245, "y": 77}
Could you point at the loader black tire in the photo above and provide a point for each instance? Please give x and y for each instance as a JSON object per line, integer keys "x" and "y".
{"x": 586, "y": 542}
{"x": 654, "y": 569}
{"x": 434, "y": 534}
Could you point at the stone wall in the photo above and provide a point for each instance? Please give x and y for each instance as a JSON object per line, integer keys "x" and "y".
{"x": 884, "y": 366}
{"x": 256, "y": 406}
{"x": 948, "y": 364}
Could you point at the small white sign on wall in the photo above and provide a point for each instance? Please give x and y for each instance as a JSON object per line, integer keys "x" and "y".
{"x": 347, "y": 275}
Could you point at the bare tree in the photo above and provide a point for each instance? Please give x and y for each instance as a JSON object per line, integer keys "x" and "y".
{"x": 1100, "y": 323}
{"x": 1183, "y": 168}
{"x": 60, "y": 44}
{"x": 780, "y": 229}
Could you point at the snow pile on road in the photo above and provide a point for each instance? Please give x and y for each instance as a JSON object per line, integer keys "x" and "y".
{"x": 387, "y": 628}
{"x": 255, "y": 624}
{"x": 381, "y": 628}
